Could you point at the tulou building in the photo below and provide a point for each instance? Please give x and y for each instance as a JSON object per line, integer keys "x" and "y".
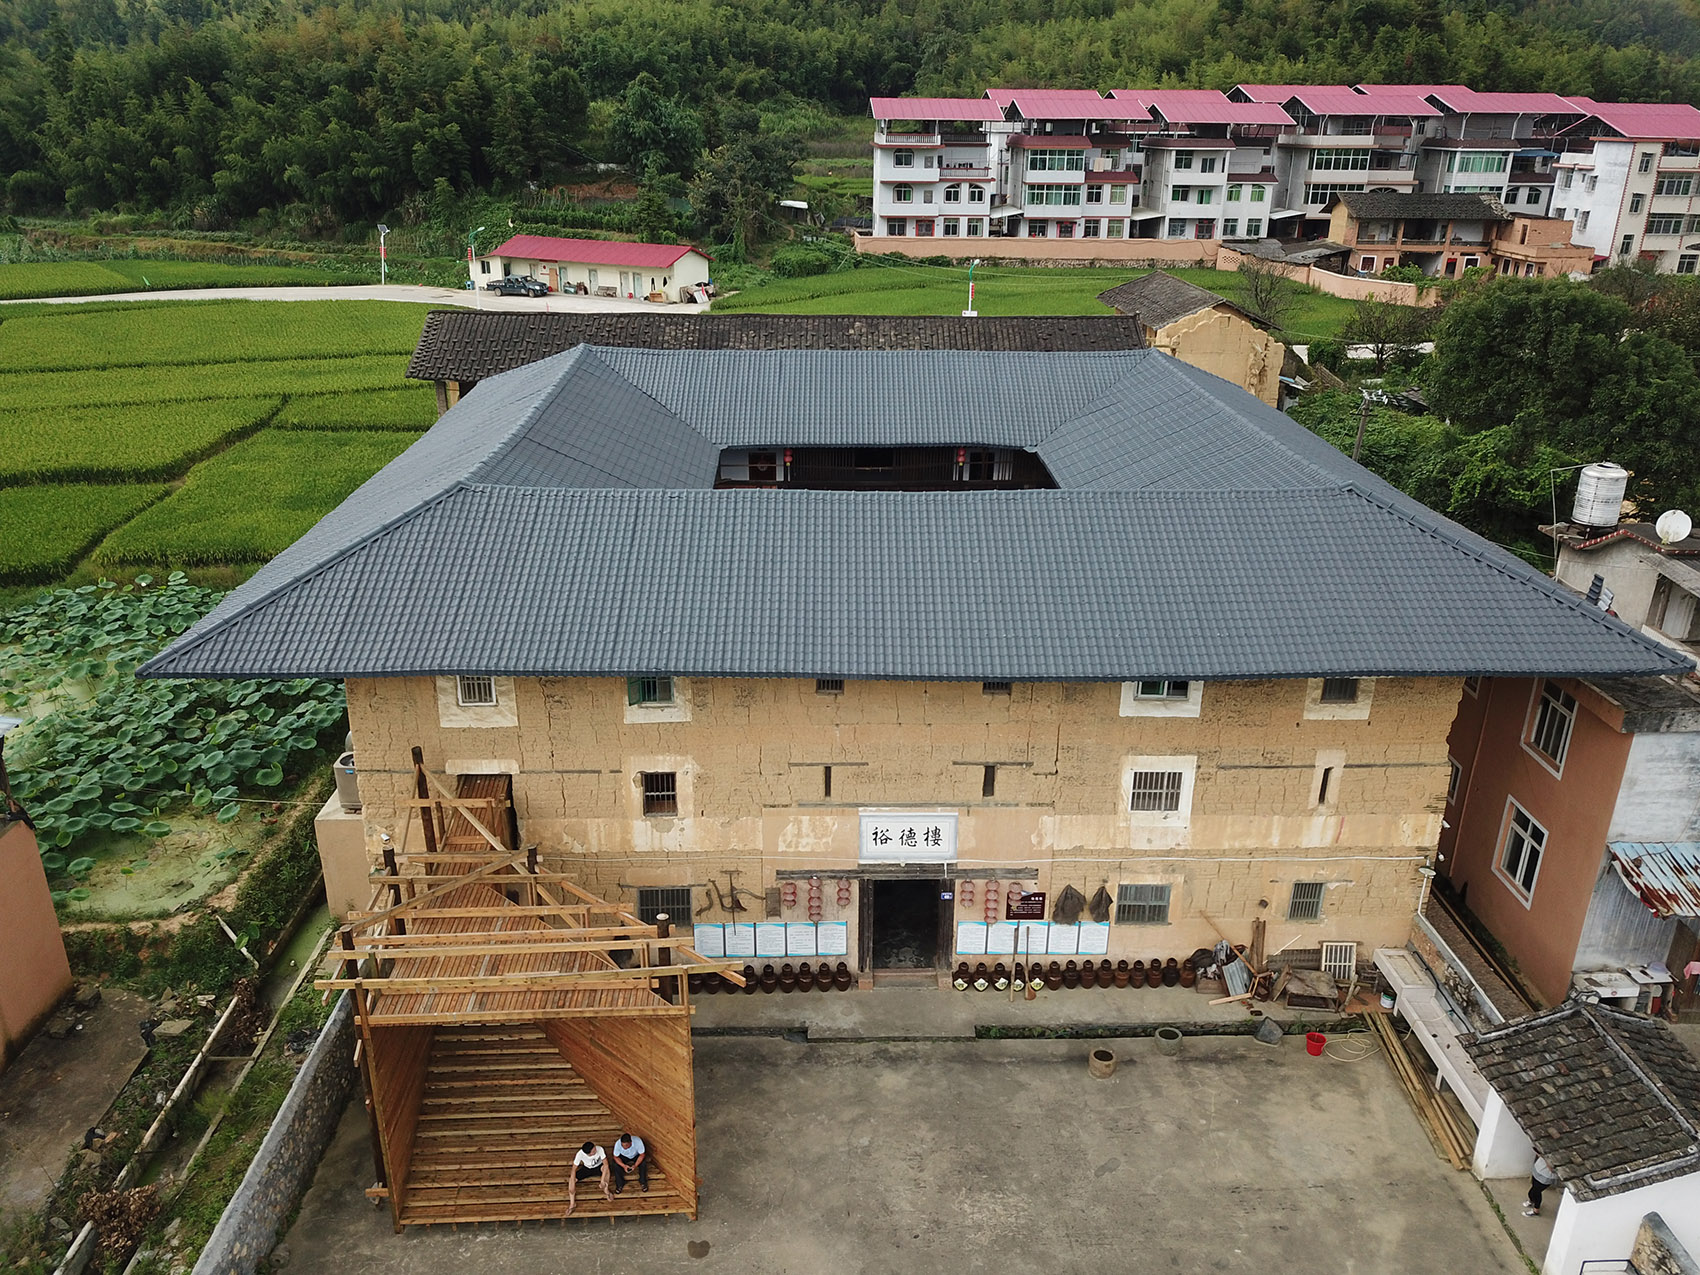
{"x": 878, "y": 654}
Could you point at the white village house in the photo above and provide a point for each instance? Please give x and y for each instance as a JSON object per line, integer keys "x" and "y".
{"x": 601, "y": 267}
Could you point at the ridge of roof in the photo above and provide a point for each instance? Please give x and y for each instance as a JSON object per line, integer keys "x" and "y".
{"x": 1159, "y": 298}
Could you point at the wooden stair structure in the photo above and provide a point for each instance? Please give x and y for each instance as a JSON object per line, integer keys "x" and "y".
{"x": 501, "y": 1116}
{"x": 506, "y": 1017}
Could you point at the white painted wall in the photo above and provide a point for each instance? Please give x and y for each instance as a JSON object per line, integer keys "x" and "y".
{"x": 1605, "y": 1228}
{"x": 1659, "y": 798}
{"x": 1503, "y": 1150}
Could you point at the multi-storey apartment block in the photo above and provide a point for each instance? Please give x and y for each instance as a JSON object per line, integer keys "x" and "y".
{"x": 1264, "y": 160}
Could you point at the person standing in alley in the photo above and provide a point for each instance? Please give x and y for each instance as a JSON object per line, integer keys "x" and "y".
{"x": 1540, "y": 1178}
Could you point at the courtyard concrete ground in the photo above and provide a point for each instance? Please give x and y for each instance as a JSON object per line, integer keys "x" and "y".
{"x": 996, "y": 1155}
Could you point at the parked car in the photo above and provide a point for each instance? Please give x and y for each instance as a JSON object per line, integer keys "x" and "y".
{"x": 519, "y": 285}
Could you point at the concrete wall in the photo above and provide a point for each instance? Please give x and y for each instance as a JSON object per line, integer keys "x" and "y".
{"x": 1542, "y": 932}
{"x": 1657, "y": 1251}
{"x": 1630, "y": 568}
{"x": 34, "y": 974}
{"x": 1350, "y": 287}
{"x": 341, "y": 835}
{"x": 1051, "y": 252}
{"x": 750, "y": 756}
{"x": 1659, "y": 799}
{"x": 1607, "y": 1228}
{"x": 1230, "y": 346}
{"x": 284, "y": 1165}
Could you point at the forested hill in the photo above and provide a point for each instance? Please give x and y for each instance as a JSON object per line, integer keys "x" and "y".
{"x": 219, "y": 111}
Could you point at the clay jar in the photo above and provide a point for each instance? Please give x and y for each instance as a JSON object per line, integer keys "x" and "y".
{"x": 1171, "y": 973}
{"x": 1088, "y": 974}
{"x": 805, "y": 977}
{"x": 1106, "y": 974}
{"x": 693, "y": 982}
{"x": 1136, "y": 975}
{"x": 1189, "y": 975}
{"x": 1071, "y": 975}
{"x": 769, "y": 980}
{"x": 961, "y": 978}
{"x": 1000, "y": 977}
{"x": 1154, "y": 973}
{"x": 842, "y": 978}
{"x": 787, "y": 978}
{"x": 711, "y": 983}
{"x": 823, "y": 977}
{"x": 1054, "y": 976}
{"x": 982, "y": 979}
{"x": 751, "y": 983}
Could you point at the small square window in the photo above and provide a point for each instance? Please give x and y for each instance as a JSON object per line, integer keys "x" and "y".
{"x": 1142, "y": 905}
{"x": 1305, "y": 903}
{"x": 660, "y": 792}
{"x": 674, "y": 902}
{"x": 1163, "y": 690}
{"x": 477, "y": 691}
{"x": 1339, "y": 690}
{"x": 649, "y": 690}
{"x": 996, "y": 688}
{"x": 829, "y": 686}
{"x": 1155, "y": 790}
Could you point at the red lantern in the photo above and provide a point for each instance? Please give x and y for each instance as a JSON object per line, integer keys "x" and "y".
{"x": 788, "y": 894}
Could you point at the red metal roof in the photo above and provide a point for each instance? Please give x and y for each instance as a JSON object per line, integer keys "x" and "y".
{"x": 1662, "y": 874}
{"x": 1048, "y": 141}
{"x": 1202, "y": 106}
{"x": 1421, "y": 90}
{"x": 1072, "y": 104}
{"x": 596, "y": 252}
{"x": 1276, "y": 93}
{"x": 934, "y": 108}
{"x": 1644, "y": 119}
{"x": 1344, "y": 101}
{"x": 1469, "y": 101}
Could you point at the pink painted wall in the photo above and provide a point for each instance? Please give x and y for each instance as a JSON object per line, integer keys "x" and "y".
{"x": 1071, "y": 252}
{"x": 34, "y": 974}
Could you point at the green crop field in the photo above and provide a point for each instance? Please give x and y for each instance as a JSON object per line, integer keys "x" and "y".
{"x": 252, "y": 501}
{"x": 201, "y": 332}
{"x": 44, "y": 530}
{"x": 121, "y": 444}
{"x": 25, "y": 391}
{"x": 412, "y": 409}
{"x": 96, "y": 278}
{"x": 1000, "y": 290}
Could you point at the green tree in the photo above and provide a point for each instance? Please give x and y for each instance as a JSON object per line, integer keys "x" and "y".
{"x": 1390, "y": 331}
{"x": 649, "y": 128}
{"x": 735, "y": 188}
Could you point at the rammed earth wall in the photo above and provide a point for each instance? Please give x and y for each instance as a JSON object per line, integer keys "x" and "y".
{"x": 287, "y": 1159}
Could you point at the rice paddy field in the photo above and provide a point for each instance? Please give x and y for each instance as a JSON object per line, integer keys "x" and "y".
{"x": 193, "y": 434}
{"x": 97, "y": 278}
{"x": 1001, "y": 290}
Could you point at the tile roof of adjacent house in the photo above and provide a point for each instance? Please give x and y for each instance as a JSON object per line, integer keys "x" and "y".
{"x": 1364, "y": 204}
{"x": 1455, "y": 97}
{"x": 465, "y": 345}
{"x": 1275, "y": 93}
{"x": 1610, "y": 1098}
{"x": 1072, "y": 104}
{"x": 596, "y": 252}
{"x": 562, "y": 520}
{"x": 934, "y": 108}
{"x": 1643, "y": 119}
{"x": 1159, "y": 298}
{"x": 1344, "y": 101}
{"x": 1202, "y": 106}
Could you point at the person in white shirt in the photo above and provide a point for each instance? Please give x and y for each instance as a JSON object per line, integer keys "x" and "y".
{"x": 589, "y": 1161}
{"x": 630, "y": 1154}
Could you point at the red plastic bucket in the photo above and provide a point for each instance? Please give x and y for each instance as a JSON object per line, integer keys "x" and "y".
{"x": 1314, "y": 1041}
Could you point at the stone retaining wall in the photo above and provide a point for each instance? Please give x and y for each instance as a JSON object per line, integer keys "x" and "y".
{"x": 287, "y": 1159}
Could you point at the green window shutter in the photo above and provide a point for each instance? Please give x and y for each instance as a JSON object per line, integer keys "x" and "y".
{"x": 634, "y": 690}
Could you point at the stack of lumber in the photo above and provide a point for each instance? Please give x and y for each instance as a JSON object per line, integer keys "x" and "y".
{"x": 1452, "y": 1137}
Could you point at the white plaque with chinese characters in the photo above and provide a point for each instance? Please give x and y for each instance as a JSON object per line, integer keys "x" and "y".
{"x": 907, "y": 836}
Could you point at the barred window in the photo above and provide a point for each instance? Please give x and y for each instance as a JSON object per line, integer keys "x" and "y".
{"x": 1305, "y": 903}
{"x": 1142, "y": 905}
{"x": 1155, "y": 790}
{"x": 649, "y": 690}
{"x": 1339, "y": 690}
{"x": 673, "y": 900}
{"x": 996, "y": 688}
{"x": 1554, "y": 716}
{"x": 475, "y": 691}
{"x": 829, "y": 686}
{"x": 660, "y": 792}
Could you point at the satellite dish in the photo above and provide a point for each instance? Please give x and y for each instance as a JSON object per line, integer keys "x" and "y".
{"x": 1673, "y": 525}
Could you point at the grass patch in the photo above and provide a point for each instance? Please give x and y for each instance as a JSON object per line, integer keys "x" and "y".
{"x": 413, "y": 410}
{"x": 119, "y": 444}
{"x": 251, "y": 502}
{"x": 205, "y": 332}
{"x": 1001, "y": 290}
{"x": 45, "y": 531}
{"x": 24, "y": 391}
{"x": 94, "y": 278}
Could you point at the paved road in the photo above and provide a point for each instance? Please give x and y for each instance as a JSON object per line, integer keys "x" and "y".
{"x": 393, "y": 292}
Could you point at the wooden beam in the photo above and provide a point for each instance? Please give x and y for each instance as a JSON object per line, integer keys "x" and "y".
{"x": 448, "y": 887}
{"x": 609, "y": 979}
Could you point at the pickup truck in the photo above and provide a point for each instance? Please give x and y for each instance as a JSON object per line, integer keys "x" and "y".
{"x": 519, "y": 285}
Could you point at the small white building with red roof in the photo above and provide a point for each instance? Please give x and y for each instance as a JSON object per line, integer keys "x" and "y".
{"x": 600, "y": 267}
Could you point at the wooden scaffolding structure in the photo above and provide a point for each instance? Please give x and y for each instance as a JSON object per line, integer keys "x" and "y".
{"x": 507, "y": 1016}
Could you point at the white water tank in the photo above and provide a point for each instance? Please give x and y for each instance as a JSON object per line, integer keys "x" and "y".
{"x": 1599, "y": 495}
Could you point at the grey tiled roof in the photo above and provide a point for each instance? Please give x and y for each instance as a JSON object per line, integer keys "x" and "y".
{"x": 1159, "y": 298}
{"x": 461, "y": 345}
{"x": 1441, "y": 207}
{"x": 562, "y": 520}
{"x": 1611, "y": 1099}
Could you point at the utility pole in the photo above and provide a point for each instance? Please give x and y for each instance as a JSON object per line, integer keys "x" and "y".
{"x": 383, "y": 255}
{"x": 1363, "y": 419}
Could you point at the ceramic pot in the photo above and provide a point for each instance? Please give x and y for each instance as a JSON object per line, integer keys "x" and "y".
{"x": 1154, "y": 974}
{"x": 1000, "y": 977}
{"x": 842, "y": 979}
{"x": 823, "y": 977}
{"x": 1019, "y": 979}
{"x": 1171, "y": 973}
{"x": 962, "y": 977}
{"x": 711, "y": 984}
{"x": 769, "y": 979}
{"x": 805, "y": 977}
{"x": 1053, "y": 976}
{"x": 1122, "y": 975}
{"x": 982, "y": 978}
{"x": 1071, "y": 975}
{"x": 693, "y": 982}
{"x": 1106, "y": 973}
{"x": 787, "y": 978}
{"x": 1088, "y": 974}
{"x": 1136, "y": 975}
{"x": 752, "y": 984}
{"x": 1189, "y": 975}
